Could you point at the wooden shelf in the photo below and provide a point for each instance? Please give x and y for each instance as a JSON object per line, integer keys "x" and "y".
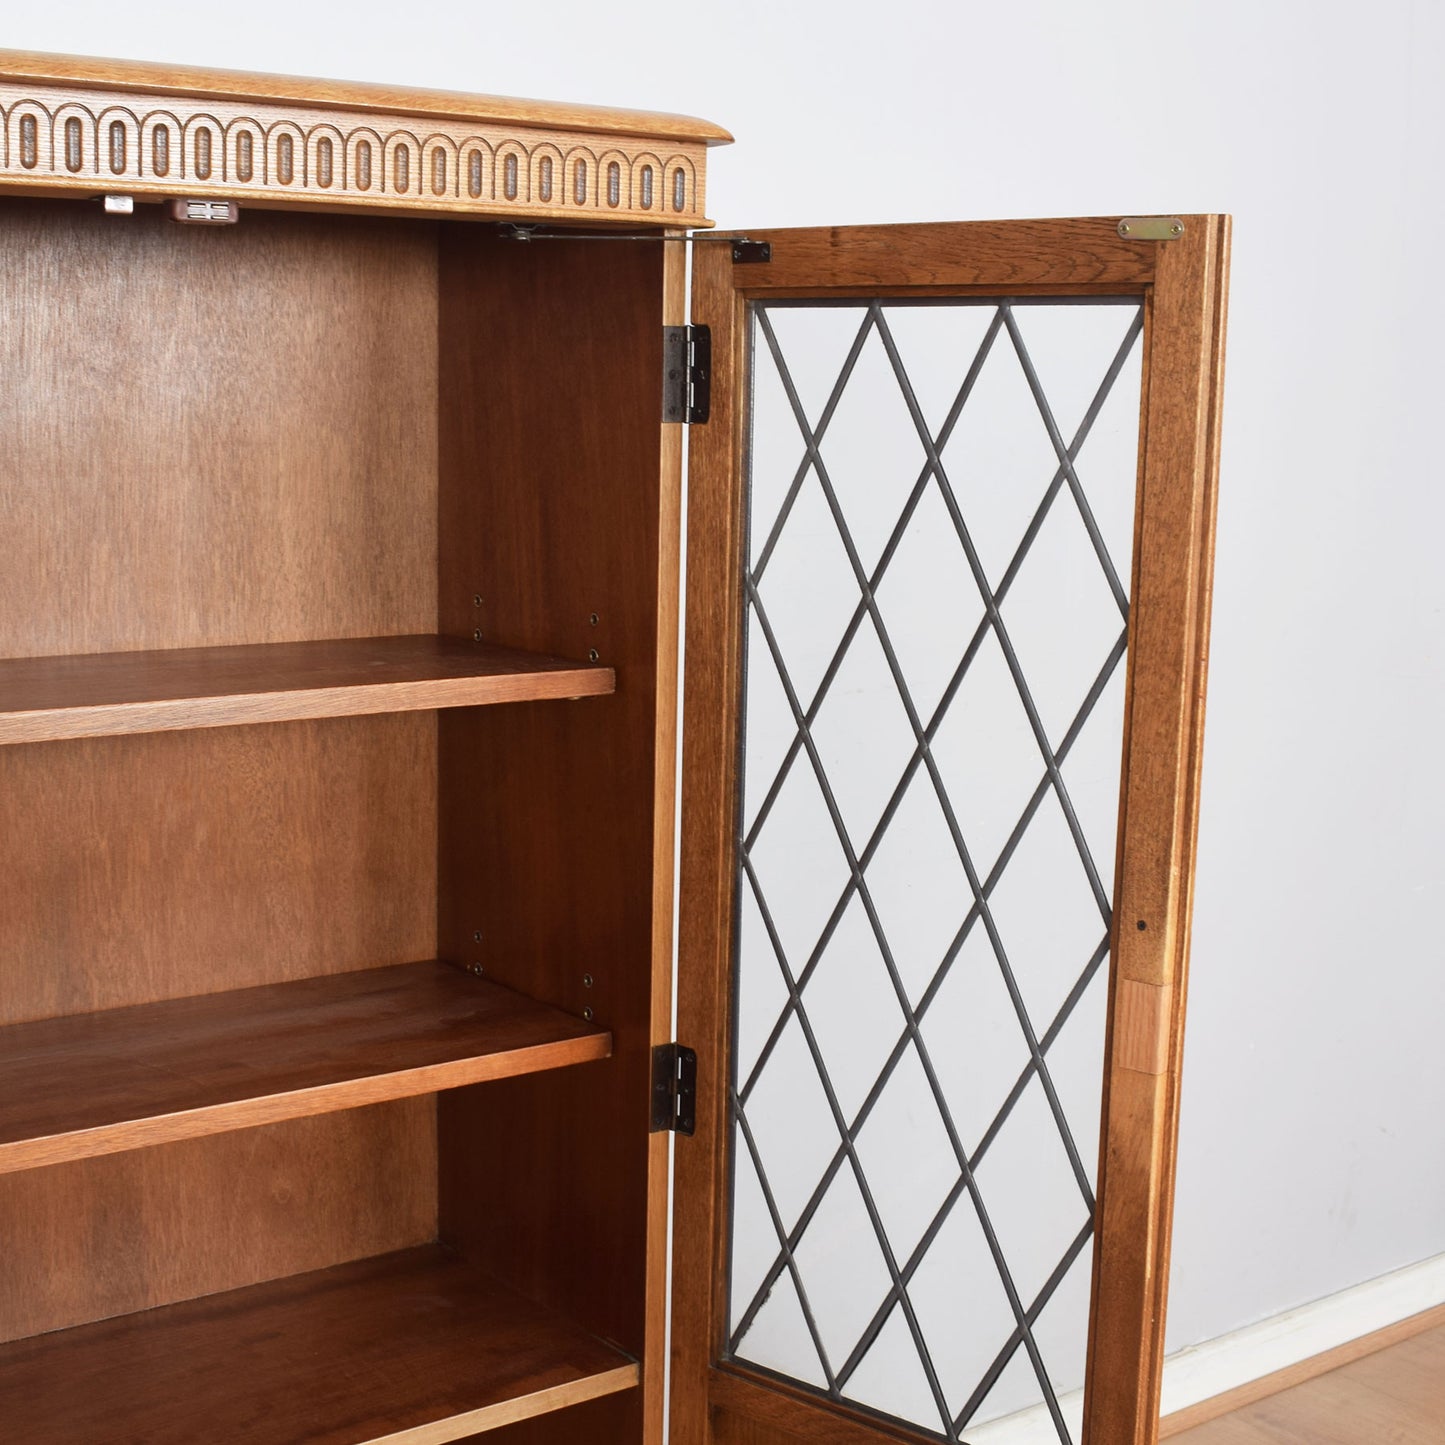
{"x": 45, "y": 699}
{"x": 88, "y": 1084}
{"x": 412, "y": 1347}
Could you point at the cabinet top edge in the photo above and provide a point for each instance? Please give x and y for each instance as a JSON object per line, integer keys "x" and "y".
{"x": 20, "y": 67}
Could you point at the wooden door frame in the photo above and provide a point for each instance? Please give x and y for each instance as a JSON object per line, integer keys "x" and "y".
{"x": 1183, "y": 285}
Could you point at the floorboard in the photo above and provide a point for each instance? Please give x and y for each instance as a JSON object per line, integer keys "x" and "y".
{"x": 1393, "y": 1397}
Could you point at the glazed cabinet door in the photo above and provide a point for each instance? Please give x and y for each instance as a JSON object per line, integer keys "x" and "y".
{"x": 949, "y": 553}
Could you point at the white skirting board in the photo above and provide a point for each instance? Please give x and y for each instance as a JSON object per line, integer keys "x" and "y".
{"x": 1203, "y": 1371}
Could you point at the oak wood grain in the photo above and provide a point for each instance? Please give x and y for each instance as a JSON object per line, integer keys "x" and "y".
{"x": 214, "y": 435}
{"x": 152, "y": 867}
{"x": 43, "y": 699}
{"x": 1158, "y": 824}
{"x": 731, "y": 1429}
{"x": 752, "y": 1410}
{"x": 712, "y": 701}
{"x": 608, "y": 1418}
{"x": 556, "y": 515}
{"x": 95, "y": 1083}
{"x": 1143, "y": 1024}
{"x": 411, "y": 1347}
{"x": 658, "y": 1263}
{"x": 38, "y": 68}
{"x": 949, "y": 258}
{"x": 126, "y": 1232}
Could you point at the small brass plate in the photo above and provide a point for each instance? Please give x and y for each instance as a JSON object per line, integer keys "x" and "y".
{"x": 1151, "y": 228}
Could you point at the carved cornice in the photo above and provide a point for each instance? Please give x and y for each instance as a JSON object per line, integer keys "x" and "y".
{"x": 95, "y": 142}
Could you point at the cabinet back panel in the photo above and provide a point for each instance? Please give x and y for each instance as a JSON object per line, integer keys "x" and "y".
{"x": 104, "y": 1237}
{"x": 161, "y": 866}
{"x": 214, "y": 435}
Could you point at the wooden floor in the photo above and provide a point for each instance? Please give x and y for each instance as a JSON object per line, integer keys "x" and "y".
{"x": 1394, "y": 1397}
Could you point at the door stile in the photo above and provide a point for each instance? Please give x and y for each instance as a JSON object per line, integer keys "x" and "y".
{"x": 712, "y": 704}
{"x": 664, "y": 783}
{"x": 1158, "y": 826}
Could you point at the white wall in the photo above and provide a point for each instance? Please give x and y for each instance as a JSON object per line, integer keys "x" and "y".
{"x": 1314, "y": 1150}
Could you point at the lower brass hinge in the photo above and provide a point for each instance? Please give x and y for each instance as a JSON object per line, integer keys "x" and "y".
{"x": 674, "y": 1088}
{"x": 686, "y": 373}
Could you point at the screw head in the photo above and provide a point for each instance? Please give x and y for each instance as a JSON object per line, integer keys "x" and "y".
{"x": 477, "y": 936}
{"x": 592, "y": 654}
{"x": 477, "y": 969}
{"x": 593, "y": 619}
{"x": 1177, "y": 229}
{"x": 587, "y": 1014}
{"x": 1123, "y": 228}
{"x": 586, "y": 980}
{"x": 477, "y": 635}
{"x": 476, "y": 599}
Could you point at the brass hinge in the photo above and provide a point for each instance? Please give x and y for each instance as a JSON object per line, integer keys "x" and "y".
{"x": 674, "y": 1088}
{"x": 686, "y": 373}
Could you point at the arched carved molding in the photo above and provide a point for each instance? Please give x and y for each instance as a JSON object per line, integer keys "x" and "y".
{"x": 401, "y": 164}
{"x": 245, "y": 153}
{"x": 160, "y": 147}
{"x": 326, "y": 158}
{"x": 439, "y": 166}
{"x": 203, "y": 149}
{"x": 679, "y": 196}
{"x": 513, "y": 181}
{"x": 614, "y": 190}
{"x": 647, "y": 183}
{"x": 581, "y": 179}
{"x": 54, "y": 137}
{"x": 548, "y": 174}
{"x": 118, "y": 140}
{"x": 477, "y": 179}
{"x": 72, "y": 141}
{"x": 286, "y": 156}
{"x": 365, "y": 150}
{"x": 27, "y": 139}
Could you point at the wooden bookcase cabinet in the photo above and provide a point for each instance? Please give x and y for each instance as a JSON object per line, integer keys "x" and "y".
{"x": 330, "y": 990}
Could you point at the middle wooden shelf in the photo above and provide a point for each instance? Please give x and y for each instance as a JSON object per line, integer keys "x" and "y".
{"x": 97, "y": 1083}
{"x": 47, "y": 699}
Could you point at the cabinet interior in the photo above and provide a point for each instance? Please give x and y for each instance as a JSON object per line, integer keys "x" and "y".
{"x": 299, "y": 428}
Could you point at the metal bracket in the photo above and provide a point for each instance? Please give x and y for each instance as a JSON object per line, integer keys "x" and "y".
{"x": 674, "y": 1089}
{"x": 190, "y": 211}
{"x": 747, "y": 252}
{"x": 1151, "y": 228}
{"x": 686, "y": 373}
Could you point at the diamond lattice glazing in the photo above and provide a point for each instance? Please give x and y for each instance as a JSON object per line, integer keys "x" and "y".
{"x": 924, "y": 870}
